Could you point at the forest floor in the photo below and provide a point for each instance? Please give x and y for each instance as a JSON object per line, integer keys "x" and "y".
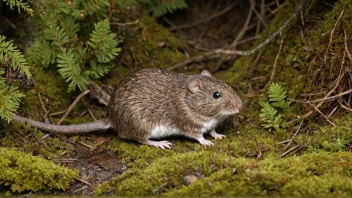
{"x": 308, "y": 153}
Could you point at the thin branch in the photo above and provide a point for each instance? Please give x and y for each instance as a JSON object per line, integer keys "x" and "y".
{"x": 242, "y": 32}
{"x": 333, "y": 111}
{"x": 346, "y": 45}
{"x": 344, "y": 106}
{"x": 261, "y": 17}
{"x": 212, "y": 53}
{"x": 270, "y": 38}
{"x": 124, "y": 24}
{"x": 341, "y": 74}
{"x": 274, "y": 66}
{"x": 193, "y": 59}
{"x": 217, "y": 14}
{"x": 296, "y": 133}
{"x": 325, "y": 98}
{"x": 289, "y": 151}
{"x": 323, "y": 115}
{"x": 85, "y": 182}
{"x": 245, "y": 26}
{"x": 332, "y": 32}
{"x": 72, "y": 106}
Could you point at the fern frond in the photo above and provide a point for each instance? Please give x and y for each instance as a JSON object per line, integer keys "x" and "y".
{"x": 276, "y": 92}
{"x": 69, "y": 26}
{"x": 168, "y": 7}
{"x": 70, "y": 69}
{"x": 123, "y": 3}
{"x": 98, "y": 70}
{"x": 96, "y": 7}
{"x": 20, "y": 5}
{"x": 41, "y": 52}
{"x": 57, "y": 35}
{"x": 268, "y": 116}
{"x": 9, "y": 101}
{"x": 104, "y": 42}
{"x": 267, "y": 111}
{"x": 277, "y": 96}
{"x": 12, "y": 57}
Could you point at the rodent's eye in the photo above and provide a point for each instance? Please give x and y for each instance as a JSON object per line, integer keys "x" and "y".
{"x": 216, "y": 95}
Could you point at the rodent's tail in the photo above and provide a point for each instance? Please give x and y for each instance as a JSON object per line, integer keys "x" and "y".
{"x": 99, "y": 125}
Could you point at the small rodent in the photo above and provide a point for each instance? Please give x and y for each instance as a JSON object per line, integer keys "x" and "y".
{"x": 154, "y": 103}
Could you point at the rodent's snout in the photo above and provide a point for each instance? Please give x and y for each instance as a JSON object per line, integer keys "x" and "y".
{"x": 239, "y": 106}
{"x": 235, "y": 107}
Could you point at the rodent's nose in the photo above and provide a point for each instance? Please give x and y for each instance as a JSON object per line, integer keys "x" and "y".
{"x": 239, "y": 106}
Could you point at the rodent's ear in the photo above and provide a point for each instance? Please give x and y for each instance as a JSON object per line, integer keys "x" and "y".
{"x": 206, "y": 73}
{"x": 194, "y": 85}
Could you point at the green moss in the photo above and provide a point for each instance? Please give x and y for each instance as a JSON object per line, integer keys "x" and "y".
{"x": 329, "y": 138}
{"x": 153, "y": 45}
{"x": 321, "y": 174}
{"x": 24, "y": 172}
{"x": 155, "y": 171}
{"x": 53, "y": 92}
{"x": 310, "y": 174}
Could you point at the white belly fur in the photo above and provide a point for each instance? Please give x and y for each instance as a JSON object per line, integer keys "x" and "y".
{"x": 211, "y": 124}
{"x": 160, "y": 131}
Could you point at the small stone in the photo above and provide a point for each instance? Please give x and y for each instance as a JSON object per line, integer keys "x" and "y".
{"x": 189, "y": 179}
{"x": 234, "y": 171}
{"x": 161, "y": 44}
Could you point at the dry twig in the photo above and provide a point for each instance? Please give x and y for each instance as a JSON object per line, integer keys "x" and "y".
{"x": 72, "y": 106}
{"x": 217, "y": 14}
{"x": 274, "y": 66}
{"x": 289, "y": 151}
{"x": 332, "y": 32}
{"x": 224, "y": 51}
{"x": 293, "y": 137}
{"x": 327, "y": 96}
{"x": 85, "y": 182}
{"x": 124, "y": 24}
{"x": 242, "y": 32}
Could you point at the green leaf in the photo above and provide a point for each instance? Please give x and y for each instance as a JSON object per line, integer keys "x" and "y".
{"x": 268, "y": 116}
{"x": 20, "y": 5}
{"x": 98, "y": 70}
{"x": 10, "y": 97}
{"x": 41, "y": 52}
{"x": 277, "y": 96}
{"x": 164, "y": 7}
{"x": 69, "y": 26}
{"x": 9, "y": 101}
{"x": 70, "y": 69}
{"x": 12, "y": 57}
{"x": 57, "y": 35}
{"x": 99, "y": 8}
{"x": 104, "y": 42}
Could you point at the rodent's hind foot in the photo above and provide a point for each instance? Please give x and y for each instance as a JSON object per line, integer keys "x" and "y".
{"x": 205, "y": 142}
{"x": 216, "y": 135}
{"x": 159, "y": 144}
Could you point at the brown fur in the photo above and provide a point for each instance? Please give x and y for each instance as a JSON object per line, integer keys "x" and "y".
{"x": 152, "y": 97}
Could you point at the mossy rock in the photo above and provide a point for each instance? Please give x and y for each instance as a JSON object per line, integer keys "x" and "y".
{"x": 24, "y": 172}
{"x": 223, "y": 175}
{"x": 230, "y": 167}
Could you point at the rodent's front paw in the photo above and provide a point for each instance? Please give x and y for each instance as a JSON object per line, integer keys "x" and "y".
{"x": 216, "y": 135}
{"x": 205, "y": 142}
{"x": 159, "y": 144}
